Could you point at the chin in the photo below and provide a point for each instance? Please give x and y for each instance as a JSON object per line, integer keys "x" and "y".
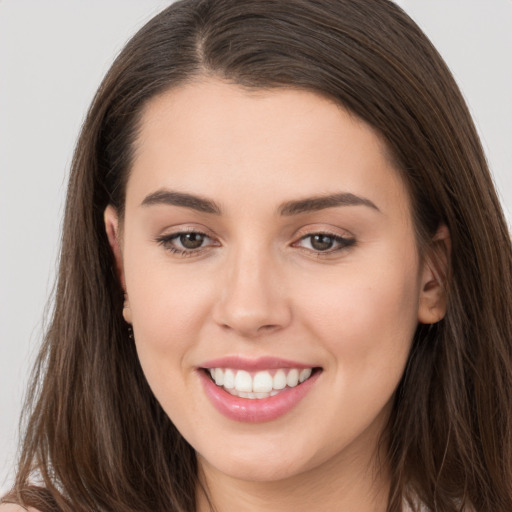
{"x": 265, "y": 462}
{"x": 258, "y": 471}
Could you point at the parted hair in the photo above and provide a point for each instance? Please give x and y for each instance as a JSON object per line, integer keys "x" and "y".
{"x": 95, "y": 437}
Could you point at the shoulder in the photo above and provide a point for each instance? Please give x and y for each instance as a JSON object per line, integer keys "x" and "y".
{"x": 12, "y": 507}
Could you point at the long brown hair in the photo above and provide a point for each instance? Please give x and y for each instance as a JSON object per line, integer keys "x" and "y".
{"x": 97, "y": 439}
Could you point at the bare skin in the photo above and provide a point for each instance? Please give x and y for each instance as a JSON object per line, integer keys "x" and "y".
{"x": 259, "y": 283}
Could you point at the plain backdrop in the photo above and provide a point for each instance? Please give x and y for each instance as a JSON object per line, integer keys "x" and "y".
{"x": 53, "y": 55}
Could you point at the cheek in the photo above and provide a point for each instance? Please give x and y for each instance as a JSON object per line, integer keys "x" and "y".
{"x": 168, "y": 308}
{"x": 366, "y": 314}
{"x": 366, "y": 321}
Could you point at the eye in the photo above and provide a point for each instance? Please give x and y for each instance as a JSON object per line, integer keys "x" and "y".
{"x": 324, "y": 242}
{"x": 191, "y": 240}
{"x": 186, "y": 243}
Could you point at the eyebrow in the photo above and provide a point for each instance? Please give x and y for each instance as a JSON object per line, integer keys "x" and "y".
{"x": 311, "y": 204}
{"x": 308, "y": 204}
{"x": 172, "y": 198}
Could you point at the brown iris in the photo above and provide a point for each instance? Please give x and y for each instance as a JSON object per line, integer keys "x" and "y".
{"x": 191, "y": 240}
{"x": 321, "y": 242}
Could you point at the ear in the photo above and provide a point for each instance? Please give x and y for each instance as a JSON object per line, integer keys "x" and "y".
{"x": 436, "y": 265}
{"x": 111, "y": 219}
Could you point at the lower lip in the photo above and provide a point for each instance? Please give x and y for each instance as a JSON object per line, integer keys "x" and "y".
{"x": 255, "y": 410}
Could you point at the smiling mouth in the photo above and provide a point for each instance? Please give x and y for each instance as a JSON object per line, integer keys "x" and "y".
{"x": 261, "y": 384}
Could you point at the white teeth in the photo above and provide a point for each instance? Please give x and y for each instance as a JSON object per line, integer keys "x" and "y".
{"x": 219, "y": 376}
{"x": 259, "y": 385}
{"x": 229, "y": 379}
{"x": 243, "y": 381}
{"x": 304, "y": 374}
{"x": 292, "y": 379}
{"x": 262, "y": 382}
{"x": 279, "y": 380}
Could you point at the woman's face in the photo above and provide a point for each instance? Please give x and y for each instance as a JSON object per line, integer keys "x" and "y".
{"x": 268, "y": 239}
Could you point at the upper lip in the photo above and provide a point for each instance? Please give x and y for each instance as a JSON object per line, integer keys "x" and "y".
{"x": 248, "y": 364}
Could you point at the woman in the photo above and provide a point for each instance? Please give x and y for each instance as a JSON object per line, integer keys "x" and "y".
{"x": 285, "y": 277}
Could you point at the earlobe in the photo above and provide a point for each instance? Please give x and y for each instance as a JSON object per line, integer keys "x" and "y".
{"x": 433, "y": 291}
{"x": 111, "y": 219}
{"x": 127, "y": 312}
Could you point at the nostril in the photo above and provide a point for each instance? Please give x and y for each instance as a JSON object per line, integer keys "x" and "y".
{"x": 269, "y": 327}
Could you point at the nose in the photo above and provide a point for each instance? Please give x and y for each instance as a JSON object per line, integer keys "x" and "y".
{"x": 252, "y": 298}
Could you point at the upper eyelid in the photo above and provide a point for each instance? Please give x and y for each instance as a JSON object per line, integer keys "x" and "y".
{"x": 337, "y": 238}
{"x": 167, "y": 242}
{"x": 175, "y": 235}
{"x": 319, "y": 230}
{"x": 297, "y": 237}
{"x": 167, "y": 233}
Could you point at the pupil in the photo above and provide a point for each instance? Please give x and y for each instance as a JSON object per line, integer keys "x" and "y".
{"x": 191, "y": 240}
{"x": 321, "y": 242}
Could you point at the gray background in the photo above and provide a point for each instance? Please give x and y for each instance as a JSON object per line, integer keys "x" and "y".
{"x": 53, "y": 55}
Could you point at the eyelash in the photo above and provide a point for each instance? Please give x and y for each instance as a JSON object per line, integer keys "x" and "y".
{"x": 342, "y": 242}
{"x": 167, "y": 242}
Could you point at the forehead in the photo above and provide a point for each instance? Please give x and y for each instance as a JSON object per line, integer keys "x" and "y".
{"x": 211, "y": 137}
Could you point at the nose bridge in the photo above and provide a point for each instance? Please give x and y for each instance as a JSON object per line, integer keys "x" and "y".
{"x": 253, "y": 298}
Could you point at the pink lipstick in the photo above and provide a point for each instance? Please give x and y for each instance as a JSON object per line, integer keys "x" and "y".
{"x": 256, "y": 390}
